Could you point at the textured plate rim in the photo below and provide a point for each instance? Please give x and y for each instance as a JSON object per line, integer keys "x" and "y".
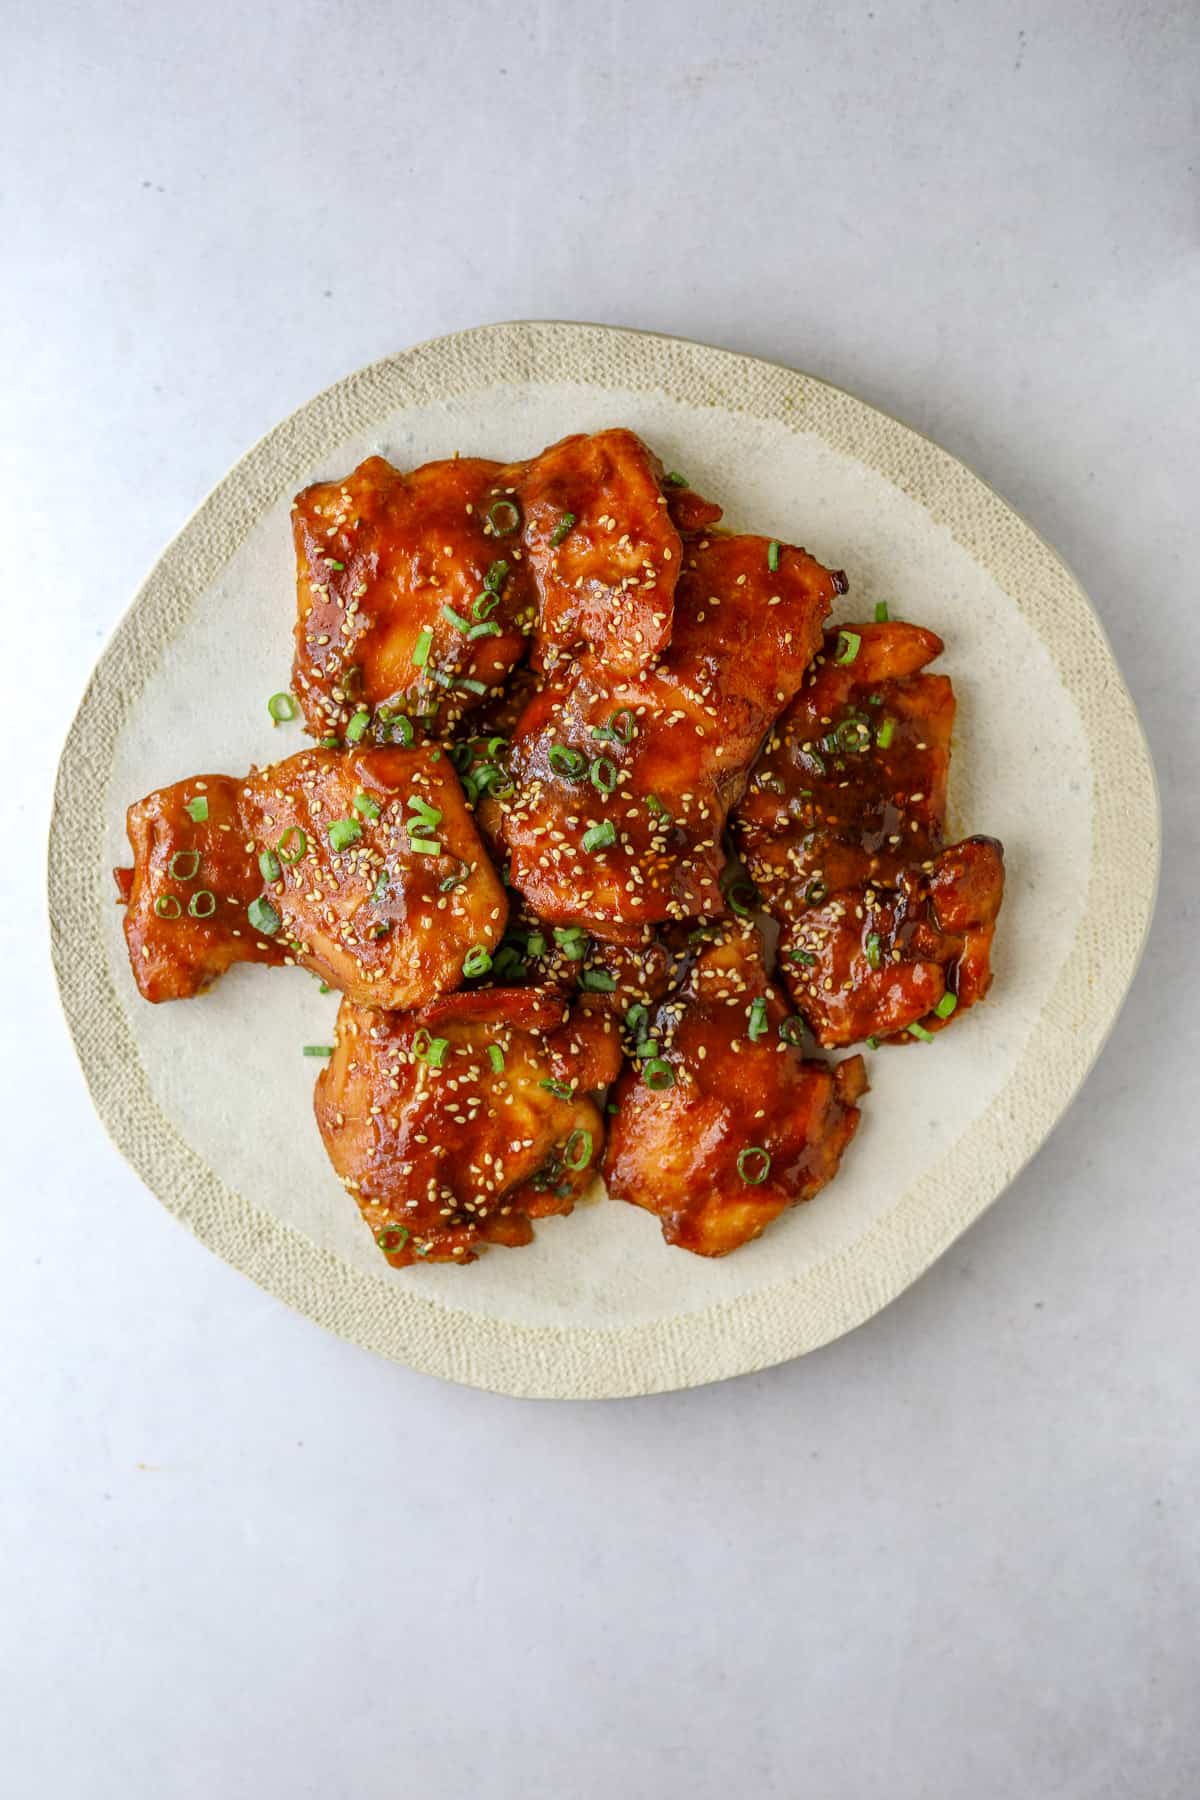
{"x": 769, "y": 1325}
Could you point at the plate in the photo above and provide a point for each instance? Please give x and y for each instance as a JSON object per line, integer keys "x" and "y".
{"x": 211, "y": 1101}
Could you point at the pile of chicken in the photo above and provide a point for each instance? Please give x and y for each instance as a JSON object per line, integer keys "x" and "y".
{"x": 551, "y": 698}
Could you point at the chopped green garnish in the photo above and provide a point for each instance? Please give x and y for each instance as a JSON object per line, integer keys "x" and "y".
{"x": 477, "y": 961}
{"x": 791, "y": 1029}
{"x": 496, "y": 1058}
{"x": 773, "y": 555}
{"x": 185, "y": 864}
{"x": 458, "y": 622}
{"x": 284, "y": 849}
{"x": 946, "y": 1005}
{"x": 758, "y": 1019}
{"x": 754, "y": 1165}
{"x": 562, "y": 528}
{"x": 203, "y": 904}
{"x": 263, "y": 917}
{"x": 658, "y": 1075}
{"x": 268, "y": 864}
{"x": 318, "y": 1049}
{"x": 849, "y": 643}
{"x": 282, "y": 707}
{"x": 577, "y": 1152}
{"x": 883, "y": 736}
{"x": 559, "y": 1089}
{"x": 874, "y": 953}
{"x": 424, "y": 846}
{"x": 676, "y": 479}
{"x": 603, "y": 774}
{"x": 503, "y": 516}
{"x": 356, "y": 729}
{"x": 392, "y": 1238}
{"x": 597, "y": 981}
{"x": 572, "y": 940}
{"x": 422, "y": 647}
{"x": 919, "y": 1031}
{"x": 882, "y": 614}
{"x": 600, "y": 837}
{"x": 167, "y": 906}
{"x": 197, "y": 809}
{"x": 363, "y": 803}
{"x": 565, "y": 761}
{"x": 343, "y": 832}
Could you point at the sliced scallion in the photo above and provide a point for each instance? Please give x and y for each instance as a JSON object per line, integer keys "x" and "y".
{"x": 754, "y": 1165}
{"x": 263, "y": 917}
{"x": 282, "y": 707}
{"x": 292, "y": 845}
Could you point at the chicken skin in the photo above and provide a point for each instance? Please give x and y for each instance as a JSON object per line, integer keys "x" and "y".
{"x": 721, "y": 1124}
{"x": 455, "y": 1126}
{"x": 417, "y": 592}
{"x": 365, "y": 868}
{"x": 884, "y": 932}
{"x": 622, "y": 784}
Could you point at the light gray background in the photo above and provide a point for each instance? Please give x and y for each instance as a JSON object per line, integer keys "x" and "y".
{"x": 953, "y": 1554}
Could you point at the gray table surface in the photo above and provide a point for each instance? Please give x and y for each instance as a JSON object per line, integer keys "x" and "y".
{"x": 955, "y": 1553}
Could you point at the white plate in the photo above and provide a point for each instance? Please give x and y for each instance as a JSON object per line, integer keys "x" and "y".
{"x": 211, "y": 1101}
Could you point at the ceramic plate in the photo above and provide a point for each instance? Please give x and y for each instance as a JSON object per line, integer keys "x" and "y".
{"x": 211, "y": 1101}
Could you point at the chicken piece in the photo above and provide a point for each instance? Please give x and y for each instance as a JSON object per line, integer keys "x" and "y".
{"x": 603, "y": 548}
{"x": 721, "y": 1123}
{"x": 411, "y": 598}
{"x": 842, "y": 831}
{"x": 899, "y": 961}
{"x": 365, "y": 868}
{"x": 192, "y": 882}
{"x": 455, "y": 1126}
{"x": 623, "y": 783}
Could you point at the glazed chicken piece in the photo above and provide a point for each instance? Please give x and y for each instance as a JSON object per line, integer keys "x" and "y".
{"x": 604, "y": 549}
{"x": 721, "y": 1123}
{"x": 623, "y": 783}
{"x": 417, "y": 592}
{"x": 413, "y": 604}
{"x": 883, "y": 931}
{"x": 455, "y": 1126}
{"x": 898, "y": 961}
{"x": 365, "y": 868}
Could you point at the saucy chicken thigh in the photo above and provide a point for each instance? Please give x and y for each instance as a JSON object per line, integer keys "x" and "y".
{"x": 883, "y": 931}
{"x": 721, "y": 1123}
{"x": 365, "y": 868}
{"x": 455, "y": 1126}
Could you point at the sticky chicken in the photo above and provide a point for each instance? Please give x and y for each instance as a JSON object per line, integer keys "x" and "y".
{"x": 456, "y": 1126}
{"x": 883, "y": 932}
{"x": 721, "y": 1122}
{"x": 365, "y": 868}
